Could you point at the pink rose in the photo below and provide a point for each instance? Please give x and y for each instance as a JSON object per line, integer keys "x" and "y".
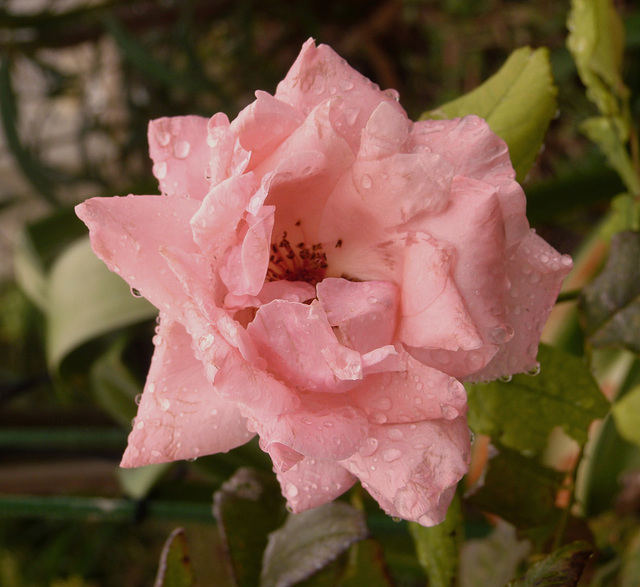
{"x": 327, "y": 272}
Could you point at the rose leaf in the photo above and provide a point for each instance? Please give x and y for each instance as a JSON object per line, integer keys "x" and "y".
{"x": 562, "y": 568}
{"x": 174, "y": 569}
{"x": 520, "y": 490}
{"x": 247, "y": 508}
{"x": 626, "y": 414}
{"x": 518, "y": 102}
{"x": 521, "y": 413}
{"x": 309, "y": 541}
{"x": 610, "y": 305}
{"x": 438, "y": 547}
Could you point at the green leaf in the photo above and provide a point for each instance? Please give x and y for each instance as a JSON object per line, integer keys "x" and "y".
{"x": 596, "y": 41}
{"x": 438, "y": 547}
{"x": 562, "y": 568}
{"x": 630, "y": 572}
{"x": 625, "y": 215}
{"x": 86, "y": 301}
{"x": 518, "y": 102}
{"x": 366, "y": 566}
{"x": 310, "y": 541}
{"x": 175, "y": 565}
{"x": 520, "y": 490}
{"x": 608, "y": 134}
{"x": 247, "y": 508}
{"x": 610, "y": 305}
{"x": 626, "y": 414}
{"x": 521, "y": 413}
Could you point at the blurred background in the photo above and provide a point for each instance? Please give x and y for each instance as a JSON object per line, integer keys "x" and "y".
{"x": 79, "y": 81}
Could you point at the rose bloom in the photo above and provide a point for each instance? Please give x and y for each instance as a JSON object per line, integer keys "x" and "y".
{"x": 327, "y": 273}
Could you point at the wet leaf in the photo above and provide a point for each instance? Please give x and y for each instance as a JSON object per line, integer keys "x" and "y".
{"x": 518, "y": 102}
{"x": 610, "y": 305}
{"x": 174, "y": 569}
{"x": 562, "y": 568}
{"x": 309, "y": 541}
{"x": 247, "y": 508}
{"x": 521, "y": 413}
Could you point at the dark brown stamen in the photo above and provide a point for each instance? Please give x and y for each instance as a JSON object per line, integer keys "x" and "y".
{"x": 302, "y": 264}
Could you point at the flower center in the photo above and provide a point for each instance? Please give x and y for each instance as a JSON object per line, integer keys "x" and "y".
{"x": 296, "y": 263}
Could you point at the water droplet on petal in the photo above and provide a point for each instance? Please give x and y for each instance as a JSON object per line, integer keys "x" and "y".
{"x": 535, "y": 370}
{"x": 290, "y": 490}
{"x": 164, "y": 404}
{"x": 181, "y": 149}
{"x": 391, "y": 454}
{"x": 160, "y": 169}
{"x": 369, "y": 446}
{"x": 378, "y": 417}
{"x": 372, "y": 300}
{"x": 140, "y": 425}
{"x": 448, "y": 412}
{"x": 366, "y": 181}
{"x": 138, "y": 399}
{"x": 135, "y": 293}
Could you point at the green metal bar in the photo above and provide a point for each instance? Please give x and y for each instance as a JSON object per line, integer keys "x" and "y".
{"x": 63, "y": 438}
{"x": 102, "y": 509}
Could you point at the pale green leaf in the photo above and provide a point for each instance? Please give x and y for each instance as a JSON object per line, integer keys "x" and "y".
{"x": 521, "y": 413}
{"x": 607, "y": 133}
{"x": 518, "y": 102}
{"x": 626, "y": 414}
{"x": 137, "y": 483}
{"x": 596, "y": 41}
{"x": 310, "y": 541}
{"x": 438, "y": 547}
{"x": 625, "y": 215}
{"x": 86, "y": 301}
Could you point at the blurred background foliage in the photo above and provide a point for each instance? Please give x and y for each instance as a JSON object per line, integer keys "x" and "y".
{"x": 79, "y": 81}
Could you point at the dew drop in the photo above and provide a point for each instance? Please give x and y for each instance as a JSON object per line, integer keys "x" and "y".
{"x": 138, "y": 399}
{"x": 181, "y": 149}
{"x": 140, "y": 425}
{"x": 164, "y": 404}
{"x": 163, "y": 138}
{"x": 160, "y": 169}
{"x": 366, "y": 181}
{"x": 135, "y": 293}
{"x": 384, "y": 403}
{"x": 391, "y": 454}
{"x": 369, "y": 446}
{"x": 506, "y": 378}
{"x": 535, "y": 370}
{"x": 291, "y": 490}
{"x": 394, "y": 433}
{"x": 448, "y": 412}
{"x": 378, "y": 417}
{"x": 372, "y": 300}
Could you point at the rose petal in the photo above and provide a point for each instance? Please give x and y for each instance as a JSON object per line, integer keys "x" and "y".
{"x": 129, "y": 234}
{"x": 412, "y": 393}
{"x": 412, "y": 469}
{"x": 364, "y": 312}
{"x": 245, "y": 265}
{"x": 318, "y": 74}
{"x": 476, "y": 152}
{"x": 298, "y": 343}
{"x": 228, "y": 158}
{"x": 215, "y": 223}
{"x": 180, "y": 416}
{"x": 323, "y": 427}
{"x": 313, "y": 482}
{"x": 433, "y": 312}
{"x": 177, "y": 146}
{"x": 535, "y": 270}
{"x": 263, "y": 125}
